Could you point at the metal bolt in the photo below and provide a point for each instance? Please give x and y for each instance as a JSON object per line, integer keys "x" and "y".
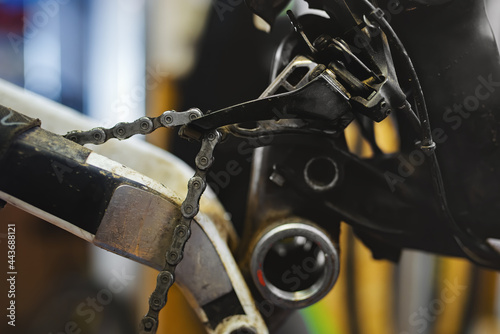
{"x": 98, "y": 135}
{"x": 168, "y": 119}
{"x": 144, "y": 125}
{"x": 211, "y": 136}
{"x": 196, "y": 184}
{"x": 188, "y": 208}
{"x": 321, "y": 42}
{"x": 277, "y": 178}
{"x": 148, "y": 324}
{"x": 165, "y": 279}
{"x": 193, "y": 116}
{"x": 181, "y": 232}
{"x": 173, "y": 255}
{"x": 203, "y": 161}
{"x": 120, "y": 131}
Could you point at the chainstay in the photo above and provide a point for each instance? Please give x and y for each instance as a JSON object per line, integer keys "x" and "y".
{"x": 182, "y": 232}
{"x": 143, "y": 126}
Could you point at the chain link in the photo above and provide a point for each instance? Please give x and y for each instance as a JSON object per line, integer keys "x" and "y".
{"x": 190, "y": 206}
{"x": 143, "y": 126}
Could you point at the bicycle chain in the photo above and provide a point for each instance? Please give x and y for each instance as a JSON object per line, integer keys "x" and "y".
{"x": 143, "y": 125}
{"x": 189, "y": 207}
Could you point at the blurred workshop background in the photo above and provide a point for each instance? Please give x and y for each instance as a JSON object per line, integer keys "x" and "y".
{"x": 117, "y": 60}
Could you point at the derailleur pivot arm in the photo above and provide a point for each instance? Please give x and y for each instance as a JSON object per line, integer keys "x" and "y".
{"x": 321, "y": 99}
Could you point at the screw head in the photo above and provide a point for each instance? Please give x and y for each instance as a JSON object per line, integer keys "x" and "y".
{"x": 148, "y": 324}
{"x": 321, "y": 42}
{"x": 188, "y": 208}
{"x": 165, "y": 277}
{"x": 173, "y": 255}
{"x": 203, "y": 161}
{"x": 181, "y": 232}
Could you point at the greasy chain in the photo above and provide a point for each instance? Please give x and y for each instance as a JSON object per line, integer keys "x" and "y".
{"x": 189, "y": 207}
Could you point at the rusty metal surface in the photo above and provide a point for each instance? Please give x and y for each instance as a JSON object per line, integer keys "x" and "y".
{"x": 138, "y": 224}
